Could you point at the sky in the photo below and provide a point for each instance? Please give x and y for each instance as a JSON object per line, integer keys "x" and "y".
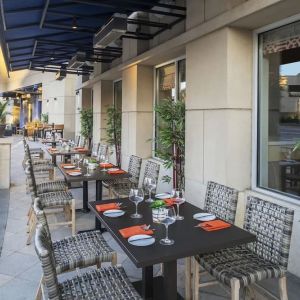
{"x": 290, "y": 69}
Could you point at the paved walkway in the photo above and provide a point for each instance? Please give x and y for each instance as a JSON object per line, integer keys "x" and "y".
{"x": 20, "y": 269}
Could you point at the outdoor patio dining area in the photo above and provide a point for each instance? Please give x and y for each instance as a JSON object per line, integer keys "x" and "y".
{"x": 104, "y": 255}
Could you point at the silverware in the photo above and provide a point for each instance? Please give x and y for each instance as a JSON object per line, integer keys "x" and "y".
{"x": 140, "y": 239}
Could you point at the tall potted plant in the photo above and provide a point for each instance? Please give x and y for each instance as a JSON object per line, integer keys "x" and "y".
{"x": 86, "y": 119}
{"x": 113, "y": 131}
{"x": 171, "y": 139}
{"x": 3, "y": 114}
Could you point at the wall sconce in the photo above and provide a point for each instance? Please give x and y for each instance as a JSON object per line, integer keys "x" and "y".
{"x": 55, "y": 99}
{"x": 47, "y": 100}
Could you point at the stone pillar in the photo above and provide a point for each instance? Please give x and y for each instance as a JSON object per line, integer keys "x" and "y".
{"x": 137, "y": 112}
{"x": 218, "y": 116}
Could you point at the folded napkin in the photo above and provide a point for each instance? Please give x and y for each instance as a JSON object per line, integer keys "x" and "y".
{"x": 72, "y": 171}
{"x": 67, "y": 165}
{"x": 82, "y": 150}
{"x": 214, "y": 225}
{"x": 134, "y": 230}
{"x": 52, "y": 149}
{"x": 79, "y": 148}
{"x": 120, "y": 171}
{"x": 170, "y": 201}
{"x": 107, "y": 206}
{"x": 106, "y": 165}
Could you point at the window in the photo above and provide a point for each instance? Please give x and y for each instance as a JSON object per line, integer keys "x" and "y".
{"x": 170, "y": 84}
{"x": 279, "y": 110}
{"x": 118, "y": 94}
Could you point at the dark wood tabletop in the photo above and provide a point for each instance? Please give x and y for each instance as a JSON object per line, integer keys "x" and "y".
{"x": 189, "y": 240}
{"x": 71, "y": 152}
{"x": 97, "y": 174}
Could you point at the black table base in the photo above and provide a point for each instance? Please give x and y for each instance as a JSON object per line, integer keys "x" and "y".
{"x": 158, "y": 289}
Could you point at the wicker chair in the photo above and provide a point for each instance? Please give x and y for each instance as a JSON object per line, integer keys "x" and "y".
{"x": 239, "y": 267}
{"x": 77, "y": 140}
{"x": 102, "y": 150}
{"x": 121, "y": 190}
{"x": 104, "y": 283}
{"x": 82, "y": 142}
{"x": 134, "y": 169}
{"x": 51, "y": 201}
{"x": 77, "y": 251}
{"x": 221, "y": 201}
{"x": 94, "y": 149}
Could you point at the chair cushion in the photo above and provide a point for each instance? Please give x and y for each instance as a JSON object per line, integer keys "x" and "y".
{"x": 240, "y": 263}
{"x": 56, "y": 199}
{"x": 51, "y": 186}
{"x": 82, "y": 250}
{"x": 106, "y": 284}
{"x": 43, "y": 168}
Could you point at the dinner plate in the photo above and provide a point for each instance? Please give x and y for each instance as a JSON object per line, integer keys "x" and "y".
{"x": 74, "y": 173}
{"x": 141, "y": 240}
{"x": 113, "y": 169}
{"x": 114, "y": 213}
{"x": 163, "y": 196}
{"x": 204, "y": 217}
{"x": 69, "y": 167}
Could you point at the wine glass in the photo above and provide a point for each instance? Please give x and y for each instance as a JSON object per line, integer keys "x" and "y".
{"x": 86, "y": 164}
{"x": 104, "y": 159}
{"x": 136, "y": 196}
{"x": 179, "y": 198}
{"x": 150, "y": 184}
{"x": 167, "y": 218}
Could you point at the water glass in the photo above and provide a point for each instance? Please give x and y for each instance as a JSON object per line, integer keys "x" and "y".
{"x": 104, "y": 159}
{"x": 86, "y": 164}
{"x": 179, "y": 198}
{"x": 167, "y": 218}
{"x": 150, "y": 184}
{"x": 136, "y": 196}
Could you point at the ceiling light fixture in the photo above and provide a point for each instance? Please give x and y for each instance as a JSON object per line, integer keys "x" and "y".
{"x": 74, "y": 23}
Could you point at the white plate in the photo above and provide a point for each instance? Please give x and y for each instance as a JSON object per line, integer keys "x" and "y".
{"x": 141, "y": 240}
{"x": 163, "y": 196}
{"x": 75, "y": 174}
{"x": 114, "y": 213}
{"x": 204, "y": 217}
{"x": 113, "y": 169}
{"x": 69, "y": 167}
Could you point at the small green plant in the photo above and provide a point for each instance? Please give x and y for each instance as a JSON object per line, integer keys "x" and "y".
{"x": 171, "y": 139}
{"x": 86, "y": 118}
{"x": 3, "y": 113}
{"x": 45, "y": 118}
{"x": 158, "y": 204}
{"x": 114, "y": 131}
{"x": 92, "y": 160}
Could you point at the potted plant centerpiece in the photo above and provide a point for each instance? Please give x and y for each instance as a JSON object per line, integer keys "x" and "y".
{"x": 3, "y": 114}
{"x": 158, "y": 210}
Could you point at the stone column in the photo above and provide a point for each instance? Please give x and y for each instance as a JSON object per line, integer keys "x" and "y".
{"x": 137, "y": 112}
{"x": 218, "y": 116}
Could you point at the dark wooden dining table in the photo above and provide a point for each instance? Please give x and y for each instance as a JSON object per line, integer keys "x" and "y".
{"x": 98, "y": 175}
{"x": 63, "y": 153}
{"x": 52, "y": 142}
{"x": 189, "y": 241}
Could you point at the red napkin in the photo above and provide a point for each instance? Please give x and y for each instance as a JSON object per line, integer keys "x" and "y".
{"x": 134, "y": 230}
{"x": 170, "y": 201}
{"x": 214, "y": 225}
{"x": 67, "y": 165}
{"x": 107, "y": 206}
{"x": 82, "y": 150}
{"x": 106, "y": 165}
{"x": 52, "y": 149}
{"x": 79, "y": 148}
{"x": 116, "y": 172}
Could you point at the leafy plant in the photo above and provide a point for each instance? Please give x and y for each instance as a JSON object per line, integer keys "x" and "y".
{"x": 3, "y": 112}
{"x": 45, "y": 118}
{"x": 114, "y": 131}
{"x": 171, "y": 138}
{"x": 86, "y": 119}
{"x": 158, "y": 204}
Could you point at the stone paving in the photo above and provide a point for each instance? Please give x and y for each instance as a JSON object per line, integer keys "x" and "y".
{"x": 20, "y": 269}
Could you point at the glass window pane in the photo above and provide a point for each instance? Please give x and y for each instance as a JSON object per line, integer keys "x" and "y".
{"x": 181, "y": 80}
{"x": 279, "y": 109}
{"x": 118, "y": 94}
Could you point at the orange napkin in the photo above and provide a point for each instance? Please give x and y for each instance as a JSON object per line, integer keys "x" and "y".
{"x": 67, "y": 165}
{"x": 72, "y": 171}
{"x": 107, "y": 206}
{"x": 116, "y": 172}
{"x": 134, "y": 230}
{"x": 52, "y": 149}
{"x": 106, "y": 165}
{"x": 170, "y": 201}
{"x": 214, "y": 225}
{"x": 82, "y": 150}
{"x": 79, "y": 148}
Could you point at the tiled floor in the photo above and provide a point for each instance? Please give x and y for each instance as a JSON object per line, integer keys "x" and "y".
{"x": 20, "y": 270}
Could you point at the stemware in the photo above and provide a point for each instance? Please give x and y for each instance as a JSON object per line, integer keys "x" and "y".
{"x": 150, "y": 184}
{"x": 136, "y": 196}
{"x": 179, "y": 198}
{"x": 167, "y": 218}
{"x": 104, "y": 159}
{"x": 86, "y": 164}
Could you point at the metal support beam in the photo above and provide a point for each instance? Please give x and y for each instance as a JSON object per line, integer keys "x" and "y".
{"x": 2, "y": 15}
{"x": 58, "y": 26}
{"x": 23, "y": 26}
{"x": 79, "y": 16}
{"x": 44, "y": 13}
{"x": 35, "y": 37}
